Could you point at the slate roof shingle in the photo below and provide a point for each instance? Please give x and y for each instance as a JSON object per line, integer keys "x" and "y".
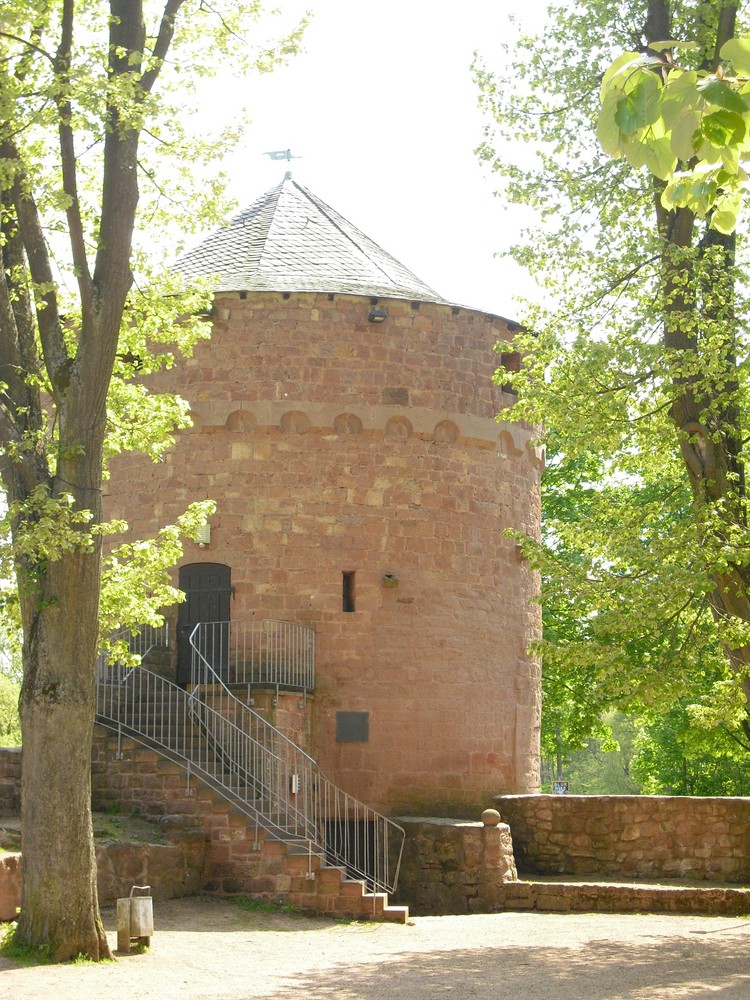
{"x": 291, "y": 241}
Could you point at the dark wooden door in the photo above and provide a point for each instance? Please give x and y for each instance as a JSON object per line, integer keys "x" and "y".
{"x": 208, "y": 593}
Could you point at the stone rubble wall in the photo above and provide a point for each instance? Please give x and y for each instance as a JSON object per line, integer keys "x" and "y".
{"x": 453, "y": 866}
{"x": 171, "y": 870}
{"x": 630, "y": 836}
{"x": 583, "y": 897}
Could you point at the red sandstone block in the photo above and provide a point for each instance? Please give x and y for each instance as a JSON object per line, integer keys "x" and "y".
{"x": 352, "y": 888}
{"x": 330, "y": 879}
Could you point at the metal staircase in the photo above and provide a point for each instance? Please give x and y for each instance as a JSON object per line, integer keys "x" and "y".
{"x": 224, "y": 743}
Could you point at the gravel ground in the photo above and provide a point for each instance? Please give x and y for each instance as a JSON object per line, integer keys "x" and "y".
{"x": 206, "y": 949}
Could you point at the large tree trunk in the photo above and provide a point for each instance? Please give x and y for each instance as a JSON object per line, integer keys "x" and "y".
{"x": 59, "y": 906}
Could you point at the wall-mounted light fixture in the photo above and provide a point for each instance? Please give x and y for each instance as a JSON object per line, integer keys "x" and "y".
{"x": 376, "y": 315}
{"x": 390, "y": 581}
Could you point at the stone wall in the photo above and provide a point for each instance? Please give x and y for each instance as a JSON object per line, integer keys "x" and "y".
{"x": 630, "y": 836}
{"x": 334, "y": 446}
{"x": 171, "y": 870}
{"x": 451, "y": 866}
{"x": 10, "y": 781}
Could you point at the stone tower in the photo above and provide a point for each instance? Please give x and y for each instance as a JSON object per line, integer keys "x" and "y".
{"x": 344, "y": 421}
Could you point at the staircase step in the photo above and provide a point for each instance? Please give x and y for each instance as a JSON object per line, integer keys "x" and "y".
{"x": 383, "y": 910}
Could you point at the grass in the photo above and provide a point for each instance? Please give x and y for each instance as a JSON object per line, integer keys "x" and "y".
{"x": 10, "y": 840}
{"x": 21, "y": 952}
{"x": 27, "y": 955}
{"x": 266, "y": 906}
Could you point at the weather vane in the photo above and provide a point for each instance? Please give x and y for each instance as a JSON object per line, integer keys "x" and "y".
{"x": 282, "y": 154}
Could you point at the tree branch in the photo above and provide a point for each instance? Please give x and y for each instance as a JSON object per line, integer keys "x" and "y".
{"x": 24, "y": 41}
{"x": 68, "y": 158}
{"x": 40, "y": 269}
{"x": 162, "y": 43}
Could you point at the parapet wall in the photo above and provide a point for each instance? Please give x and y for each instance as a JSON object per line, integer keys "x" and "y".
{"x": 630, "y": 836}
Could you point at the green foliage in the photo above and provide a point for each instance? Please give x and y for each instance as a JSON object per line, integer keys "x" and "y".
{"x": 673, "y": 756}
{"x": 19, "y": 952}
{"x": 10, "y": 724}
{"x": 635, "y": 361}
{"x": 602, "y": 765}
{"x": 689, "y": 126}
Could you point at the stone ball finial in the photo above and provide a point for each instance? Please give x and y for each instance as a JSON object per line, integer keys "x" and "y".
{"x": 490, "y": 817}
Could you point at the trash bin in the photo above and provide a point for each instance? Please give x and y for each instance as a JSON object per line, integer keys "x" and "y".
{"x": 135, "y": 918}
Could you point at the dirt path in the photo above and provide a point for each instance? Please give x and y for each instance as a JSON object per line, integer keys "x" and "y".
{"x": 207, "y": 949}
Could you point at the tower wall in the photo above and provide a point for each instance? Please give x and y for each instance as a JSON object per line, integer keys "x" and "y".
{"x": 336, "y": 446}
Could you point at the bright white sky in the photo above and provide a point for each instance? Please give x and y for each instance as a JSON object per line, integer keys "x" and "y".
{"x": 382, "y": 110}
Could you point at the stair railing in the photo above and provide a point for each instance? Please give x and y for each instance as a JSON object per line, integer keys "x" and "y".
{"x": 245, "y": 759}
{"x": 266, "y": 652}
{"x": 286, "y": 786}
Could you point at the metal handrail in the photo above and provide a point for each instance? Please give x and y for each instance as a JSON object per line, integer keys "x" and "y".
{"x": 249, "y": 762}
{"x": 287, "y": 788}
{"x": 139, "y": 644}
{"x": 260, "y": 653}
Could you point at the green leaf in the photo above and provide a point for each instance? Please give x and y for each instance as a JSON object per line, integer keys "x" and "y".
{"x": 676, "y": 194}
{"x": 684, "y": 128}
{"x": 737, "y": 51}
{"x": 623, "y": 65}
{"x": 640, "y": 107}
{"x": 660, "y": 159}
{"x": 607, "y": 130}
{"x": 636, "y": 153}
{"x": 723, "y": 128}
{"x": 720, "y": 93}
{"x": 726, "y": 212}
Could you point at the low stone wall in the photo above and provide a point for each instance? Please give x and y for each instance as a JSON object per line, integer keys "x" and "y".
{"x": 172, "y": 870}
{"x": 630, "y": 836}
{"x": 10, "y": 781}
{"x": 454, "y": 866}
{"x": 588, "y": 897}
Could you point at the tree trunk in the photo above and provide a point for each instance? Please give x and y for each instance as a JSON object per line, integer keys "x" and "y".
{"x": 60, "y": 908}
{"x": 59, "y": 905}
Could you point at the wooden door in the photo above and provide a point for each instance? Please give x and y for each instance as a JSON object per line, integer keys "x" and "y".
{"x": 208, "y": 592}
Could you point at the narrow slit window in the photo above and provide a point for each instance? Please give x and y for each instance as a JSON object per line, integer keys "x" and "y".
{"x": 347, "y": 592}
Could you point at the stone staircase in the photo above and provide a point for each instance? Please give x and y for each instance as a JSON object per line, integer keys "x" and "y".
{"x": 158, "y": 765}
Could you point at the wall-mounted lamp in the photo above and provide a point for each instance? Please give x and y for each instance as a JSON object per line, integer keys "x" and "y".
{"x": 390, "y": 581}
{"x": 203, "y": 538}
{"x": 376, "y": 315}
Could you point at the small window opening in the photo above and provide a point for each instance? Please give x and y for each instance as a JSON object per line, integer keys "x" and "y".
{"x": 347, "y": 592}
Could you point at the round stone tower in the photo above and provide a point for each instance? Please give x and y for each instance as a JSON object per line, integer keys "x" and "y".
{"x": 344, "y": 421}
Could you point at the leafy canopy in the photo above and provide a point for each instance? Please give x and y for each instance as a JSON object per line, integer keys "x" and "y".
{"x": 635, "y": 355}
{"x": 689, "y": 127}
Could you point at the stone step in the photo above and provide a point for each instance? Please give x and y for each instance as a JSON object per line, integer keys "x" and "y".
{"x": 383, "y": 910}
{"x": 567, "y": 895}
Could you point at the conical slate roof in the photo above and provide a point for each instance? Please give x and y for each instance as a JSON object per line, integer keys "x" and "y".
{"x": 290, "y": 241}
